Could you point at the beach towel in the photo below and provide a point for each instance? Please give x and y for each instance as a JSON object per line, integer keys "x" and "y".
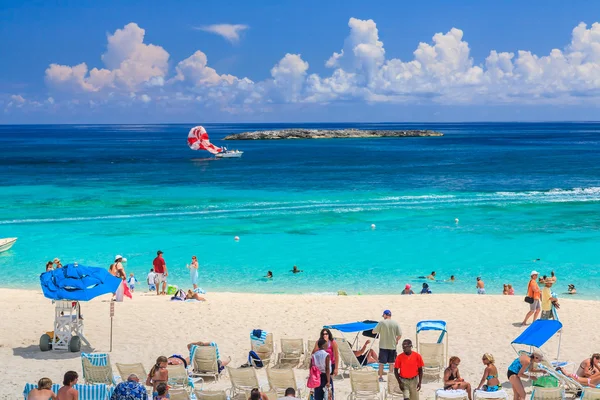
{"x": 199, "y": 291}
{"x": 86, "y": 392}
{"x": 258, "y": 337}
{"x": 254, "y": 359}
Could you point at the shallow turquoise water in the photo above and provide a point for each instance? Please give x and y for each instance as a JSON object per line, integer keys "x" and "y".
{"x": 521, "y": 192}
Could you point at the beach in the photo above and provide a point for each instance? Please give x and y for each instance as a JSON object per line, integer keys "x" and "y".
{"x": 149, "y": 326}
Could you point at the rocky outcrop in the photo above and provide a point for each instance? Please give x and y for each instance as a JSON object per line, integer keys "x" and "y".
{"x": 328, "y": 134}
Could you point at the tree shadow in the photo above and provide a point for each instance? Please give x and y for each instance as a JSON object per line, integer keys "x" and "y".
{"x": 33, "y": 352}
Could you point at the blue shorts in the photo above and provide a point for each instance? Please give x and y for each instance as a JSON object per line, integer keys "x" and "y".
{"x": 151, "y": 287}
{"x": 387, "y": 356}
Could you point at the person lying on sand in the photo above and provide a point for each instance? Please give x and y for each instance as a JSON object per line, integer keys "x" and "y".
{"x": 194, "y": 296}
{"x": 43, "y": 391}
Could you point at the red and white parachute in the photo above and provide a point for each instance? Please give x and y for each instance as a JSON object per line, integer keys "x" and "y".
{"x": 198, "y": 140}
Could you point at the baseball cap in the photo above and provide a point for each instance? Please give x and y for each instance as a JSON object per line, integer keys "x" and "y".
{"x": 159, "y": 252}
{"x": 534, "y": 273}
{"x": 387, "y": 312}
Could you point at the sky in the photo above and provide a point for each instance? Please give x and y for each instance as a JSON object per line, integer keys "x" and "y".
{"x": 192, "y": 61}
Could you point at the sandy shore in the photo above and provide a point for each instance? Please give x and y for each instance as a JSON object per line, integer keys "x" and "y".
{"x": 149, "y": 326}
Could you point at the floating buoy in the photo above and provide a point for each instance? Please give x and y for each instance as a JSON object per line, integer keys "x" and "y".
{"x": 456, "y": 220}
{"x": 237, "y": 238}
{"x": 373, "y": 226}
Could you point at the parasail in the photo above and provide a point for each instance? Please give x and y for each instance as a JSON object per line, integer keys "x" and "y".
{"x": 198, "y": 140}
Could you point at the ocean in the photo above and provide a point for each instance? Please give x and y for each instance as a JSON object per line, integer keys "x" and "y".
{"x": 520, "y": 191}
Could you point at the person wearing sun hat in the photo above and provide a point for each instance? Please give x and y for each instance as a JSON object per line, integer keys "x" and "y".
{"x": 389, "y": 334}
{"x": 57, "y": 263}
{"x": 533, "y": 291}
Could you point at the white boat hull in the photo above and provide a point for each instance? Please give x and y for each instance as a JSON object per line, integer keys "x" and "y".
{"x": 6, "y": 244}
{"x": 230, "y": 154}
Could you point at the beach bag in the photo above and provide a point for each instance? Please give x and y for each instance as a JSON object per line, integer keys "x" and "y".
{"x": 179, "y": 295}
{"x": 546, "y": 382}
{"x": 254, "y": 359}
{"x": 314, "y": 376}
{"x": 528, "y": 299}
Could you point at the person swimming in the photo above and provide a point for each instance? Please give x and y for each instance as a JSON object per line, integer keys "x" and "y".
{"x": 269, "y": 275}
{"x": 572, "y": 289}
{"x": 295, "y": 270}
{"x": 430, "y": 276}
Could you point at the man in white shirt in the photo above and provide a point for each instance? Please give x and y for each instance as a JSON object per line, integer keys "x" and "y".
{"x": 150, "y": 279}
{"x": 290, "y": 394}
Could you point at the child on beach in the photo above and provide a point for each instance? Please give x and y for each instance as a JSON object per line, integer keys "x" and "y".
{"x": 161, "y": 392}
{"x": 67, "y": 392}
{"x": 43, "y": 391}
{"x": 150, "y": 279}
{"x": 511, "y": 291}
{"x": 158, "y": 375}
{"x": 505, "y": 290}
{"x": 322, "y": 360}
{"x": 132, "y": 281}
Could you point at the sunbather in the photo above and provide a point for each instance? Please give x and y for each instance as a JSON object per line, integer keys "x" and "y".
{"x": 43, "y": 391}
{"x": 490, "y": 375}
{"x": 591, "y": 381}
{"x": 589, "y": 366}
{"x": 452, "y": 378}
{"x": 360, "y": 354}
{"x": 158, "y": 374}
{"x": 68, "y": 392}
{"x": 177, "y": 359}
{"x": 194, "y": 296}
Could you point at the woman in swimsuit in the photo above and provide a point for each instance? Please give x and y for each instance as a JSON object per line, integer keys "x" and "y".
{"x": 590, "y": 381}
{"x": 371, "y": 356}
{"x": 517, "y": 370}
{"x": 158, "y": 374}
{"x": 490, "y": 374}
{"x": 452, "y": 379}
{"x": 589, "y": 366}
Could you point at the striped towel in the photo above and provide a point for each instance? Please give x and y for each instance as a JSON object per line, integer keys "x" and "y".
{"x": 258, "y": 341}
{"x": 86, "y": 392}
{"x": 96, "y": 359}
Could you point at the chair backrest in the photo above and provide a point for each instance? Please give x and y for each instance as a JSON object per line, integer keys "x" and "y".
{"x": 178, "y": 394}
{"x": 205, "y": 359}
{"x": 281, "y": 379}
{"x": 127, "y": 369}
{"x": 364, "y": 381}
{"x": 243, "y": 378}
{"x": 265, "y": 350}
{"x": 292, "y": 346}
{"x": 272, "y": 395}
{"x": 590, "y": 394}
{"x": 541, "y": 393}
{"x": 94, "y": 374}
{"x": 210, "y": 394}
{"x": 433, "y": 354}
{"x": 346, "y": 353}
{"x": 177, "y": 375}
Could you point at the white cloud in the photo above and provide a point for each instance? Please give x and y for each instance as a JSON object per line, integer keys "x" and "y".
{"x": 441, "y": 71}
{"x": 17, "y": 98}
{"x": 230, "y": 32}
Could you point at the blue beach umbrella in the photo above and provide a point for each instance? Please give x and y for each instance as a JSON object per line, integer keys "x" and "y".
{"x": 78, "y": 282}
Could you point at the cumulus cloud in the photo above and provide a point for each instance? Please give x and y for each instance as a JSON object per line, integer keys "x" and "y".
{"x": 440, "y": 71}
{"x": 230, "y": 32}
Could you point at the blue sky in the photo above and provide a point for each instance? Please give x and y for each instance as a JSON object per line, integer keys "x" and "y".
{"x": 194, "y": 61}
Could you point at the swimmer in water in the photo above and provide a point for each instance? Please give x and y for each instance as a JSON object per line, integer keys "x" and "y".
{"x": 452, "y": 278}
{"x": 431, "y": 277}
{"x": 572, "y": 289}
{"x": 295, "y": 270}
{"x": 269, "y": 275}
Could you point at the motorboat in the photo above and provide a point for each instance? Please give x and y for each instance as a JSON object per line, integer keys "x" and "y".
{"x": 229, "y": 154}
{"x": 6, "y": 244}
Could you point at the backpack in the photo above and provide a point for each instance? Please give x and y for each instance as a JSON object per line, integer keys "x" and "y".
{"x": 254, "y": 359}
{"x": 179, "y": 295}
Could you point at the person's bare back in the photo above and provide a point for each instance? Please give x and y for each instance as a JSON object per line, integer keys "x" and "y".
{"x": 41, "y": 394}
{"x": 67, "y": 393}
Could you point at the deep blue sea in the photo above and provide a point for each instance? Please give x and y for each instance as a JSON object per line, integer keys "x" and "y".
{"x": 521, "y": 192}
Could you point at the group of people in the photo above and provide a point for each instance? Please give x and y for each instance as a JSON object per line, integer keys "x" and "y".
{"x": 66, "y": 392}
{"x": 294, "y": 270}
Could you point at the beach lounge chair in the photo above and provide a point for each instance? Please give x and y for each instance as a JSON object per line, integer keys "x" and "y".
{"x": 590, "y": 394}
{"x": 204, "y": 362}
{"x": 127, "y": 369}
{"x": 210, "y": 394}
{"x": 349, "y": 360}
{"x": 97, "y": 369}
{"x": 291, "y": 352}
{"x": 264, "y": 348}
{"x": 433, "y": 358}
{"x": 178, "y": 377}
{"x": 310, "y": 346}
{"x": 393, "y": 389}
{"x": 364, "y": 385}
{"x": 483, "y": 395}
{"x": 86, "y": 392}
{"x": 271, "y": 395}
{"x": 281, "y": 379}
{"x": 242, "y": 380}
{"x": 459, "y": 394}
{"x": 178, "y": 394}
{"x": 570, "y": 385}
{"x": 540, "y": 393}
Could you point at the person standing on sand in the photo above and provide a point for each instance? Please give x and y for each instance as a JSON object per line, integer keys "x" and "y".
{"x": 68, "y": 392}
{"x": 193, "y": 267}
{"x": 389, "y": 334}
{"x": 150, "y": 279}
{"x": 43, "y": 391}
{"x": 408, "y": 370}
{"x": 160, "y": 269}
{"x": 548, "y": 301}
{"x": 533, "y": 291}
{"x": 480, "y": 286}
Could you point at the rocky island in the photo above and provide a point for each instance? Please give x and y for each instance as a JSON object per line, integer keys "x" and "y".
{"x": 299, "y": 133}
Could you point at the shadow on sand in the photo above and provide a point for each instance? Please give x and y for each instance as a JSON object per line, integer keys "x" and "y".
{"x": 33, "y": 352}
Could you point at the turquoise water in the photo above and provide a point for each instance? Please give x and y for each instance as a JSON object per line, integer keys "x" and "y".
{"x": 521, "y": 192}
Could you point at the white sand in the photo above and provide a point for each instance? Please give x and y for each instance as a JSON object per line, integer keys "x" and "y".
{"x": 149, "y": 326}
